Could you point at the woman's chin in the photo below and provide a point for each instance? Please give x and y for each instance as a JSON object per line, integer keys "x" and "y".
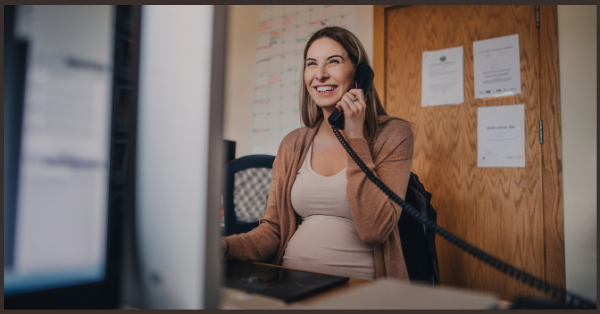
{"x": 327, "y": 107}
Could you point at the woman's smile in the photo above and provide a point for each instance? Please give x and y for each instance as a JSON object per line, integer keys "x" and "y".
{"x": 325, "y": 90}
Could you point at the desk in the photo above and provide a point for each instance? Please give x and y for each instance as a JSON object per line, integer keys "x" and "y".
{"x": 366, "y": 294}
{"x": 237, "y": 299}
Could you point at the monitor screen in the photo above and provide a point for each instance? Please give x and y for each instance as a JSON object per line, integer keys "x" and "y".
{"x": 57, "y": 155}
{"x": 112, "y": 187}
{"x": 179, "y": 167}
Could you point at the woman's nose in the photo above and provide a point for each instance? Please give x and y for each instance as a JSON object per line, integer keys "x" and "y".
{"x": 322, "y": 73}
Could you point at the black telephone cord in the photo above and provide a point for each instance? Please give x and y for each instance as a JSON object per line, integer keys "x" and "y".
{"x": 571, "y": 299}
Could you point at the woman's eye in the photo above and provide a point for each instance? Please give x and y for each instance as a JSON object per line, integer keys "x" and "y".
{"x": 311, "y": 63}
{"x": 334, "y": 61}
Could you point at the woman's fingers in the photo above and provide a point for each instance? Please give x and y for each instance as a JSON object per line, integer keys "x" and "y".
{"x": 354, "y": 108}
{"x": 358, "y": 94}
{"x": 355, "y": 100}
{"x": 350, "y": 100}
{"x": 343, "y": 105}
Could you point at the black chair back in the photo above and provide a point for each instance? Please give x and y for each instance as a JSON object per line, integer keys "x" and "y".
{"x": 247, "y": 183}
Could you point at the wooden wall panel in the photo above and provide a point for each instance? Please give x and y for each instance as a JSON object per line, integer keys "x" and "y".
{"x": 497, "y": 209}
{"x": 379, "y": 50}
{"x": 552, "y": 147}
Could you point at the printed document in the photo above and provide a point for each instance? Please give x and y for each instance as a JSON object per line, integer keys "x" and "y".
{"x": 442, "y": 79}
{"x": 497, "y": 67}
{"x": 501, "y": 136}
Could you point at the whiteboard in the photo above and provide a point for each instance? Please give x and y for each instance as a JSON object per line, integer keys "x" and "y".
{"x": 282, "y": 33}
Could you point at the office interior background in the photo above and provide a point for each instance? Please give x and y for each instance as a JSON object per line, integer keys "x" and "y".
{"x": 578, "y": 98}
{"x": 577, "y": 49}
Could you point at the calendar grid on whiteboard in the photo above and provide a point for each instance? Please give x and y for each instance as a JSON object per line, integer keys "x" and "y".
{"x": 282, "y": 33}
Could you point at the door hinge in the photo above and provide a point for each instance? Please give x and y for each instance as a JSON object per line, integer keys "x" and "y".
{"x": 541, "y": 132}
{"x": 537, "y": 16}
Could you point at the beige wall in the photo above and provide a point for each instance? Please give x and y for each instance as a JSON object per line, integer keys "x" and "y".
{"x": 577, "y": 49}
{"x": 239, "y": 76}
{"x": 578, "y": 97}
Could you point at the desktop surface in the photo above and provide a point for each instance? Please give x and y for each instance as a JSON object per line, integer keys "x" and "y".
{"x": 365, "y": 294}
{"x": 278, "y": 282}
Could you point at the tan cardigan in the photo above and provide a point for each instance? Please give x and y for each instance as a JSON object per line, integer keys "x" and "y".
{"x": 375, "y": 215}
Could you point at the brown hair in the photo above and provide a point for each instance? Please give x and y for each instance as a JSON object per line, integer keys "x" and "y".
{"x": 375, "y": 115}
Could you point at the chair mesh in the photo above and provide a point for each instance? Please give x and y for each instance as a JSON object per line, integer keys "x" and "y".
{"x": 250, "y": 191}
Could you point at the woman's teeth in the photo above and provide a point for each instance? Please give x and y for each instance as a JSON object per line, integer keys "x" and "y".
{"x": 326, "y": 88}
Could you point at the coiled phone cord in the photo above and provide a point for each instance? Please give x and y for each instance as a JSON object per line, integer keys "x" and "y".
{"x": 572, "y": 300}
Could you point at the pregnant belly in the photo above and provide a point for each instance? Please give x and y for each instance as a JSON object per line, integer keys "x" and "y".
{"x": 331, "y": 245}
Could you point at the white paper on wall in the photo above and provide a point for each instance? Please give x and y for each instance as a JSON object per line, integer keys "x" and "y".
{"x": 497, "y": 67}
{"x": 501, "y": 136}
{"x": 442, "y": 77}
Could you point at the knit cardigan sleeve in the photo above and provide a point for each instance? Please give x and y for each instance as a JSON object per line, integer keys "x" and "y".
{"x": 264, "y": 241}
{"x": 374, "y": 214}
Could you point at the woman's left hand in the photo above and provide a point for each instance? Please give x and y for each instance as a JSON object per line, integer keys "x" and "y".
{"x": 354, "y": 106}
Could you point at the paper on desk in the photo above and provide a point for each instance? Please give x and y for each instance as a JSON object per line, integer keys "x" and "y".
{"x": 501, "y": 136}
{"x": 390, "y": 294}
{"x": 442, "y": 77}
{"x": 497, "y": 67}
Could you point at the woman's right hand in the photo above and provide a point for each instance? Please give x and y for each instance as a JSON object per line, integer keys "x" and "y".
{"x": 223, "y": 248}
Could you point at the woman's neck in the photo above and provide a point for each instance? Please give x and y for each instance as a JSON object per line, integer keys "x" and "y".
{"x": 327, "y": 112}
{"x": 325, "y": 128}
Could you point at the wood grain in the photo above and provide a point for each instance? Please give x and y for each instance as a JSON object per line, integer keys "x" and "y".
{"x": 497, "y": 209}
{"x": 552, "y": 147}
{"x": 379, "y": 50}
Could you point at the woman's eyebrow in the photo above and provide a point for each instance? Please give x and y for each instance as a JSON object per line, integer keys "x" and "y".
{"x": 313, "y": 59}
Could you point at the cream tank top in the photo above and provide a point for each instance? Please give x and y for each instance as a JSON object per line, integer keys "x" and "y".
{"x": 326, "y": 241}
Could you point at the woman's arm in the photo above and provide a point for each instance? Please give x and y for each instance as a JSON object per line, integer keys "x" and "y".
{"x": 374, "y": 214}
{"x": 263, "y": 241}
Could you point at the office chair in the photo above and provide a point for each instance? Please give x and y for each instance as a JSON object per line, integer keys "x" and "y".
{"x": 247, "y": 183}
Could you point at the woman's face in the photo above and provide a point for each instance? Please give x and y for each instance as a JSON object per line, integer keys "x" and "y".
{"x": 329, "y": 73}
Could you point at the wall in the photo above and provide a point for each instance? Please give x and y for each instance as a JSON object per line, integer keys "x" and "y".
{"x": 578, "y": 62}
{"x": 578, "y": 96}
{"x": 239, "y": 76}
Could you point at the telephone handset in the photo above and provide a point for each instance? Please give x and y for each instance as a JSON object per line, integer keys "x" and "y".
{"x": 363, "y": 78}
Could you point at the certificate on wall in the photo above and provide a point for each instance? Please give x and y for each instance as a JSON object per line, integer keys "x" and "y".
{"x": 442, "y": 77}
{"x": 497, "y": 67}
{"x": 501, "y": 136}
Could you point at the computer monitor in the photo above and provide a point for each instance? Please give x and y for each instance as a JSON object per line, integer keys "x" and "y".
{"x": 80, "y": 160}
{"x": 59, "y": 226}
{"x": 176, "y": 253}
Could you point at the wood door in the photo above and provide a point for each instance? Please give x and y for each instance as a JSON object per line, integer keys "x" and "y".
{"x": 500, "y": 210}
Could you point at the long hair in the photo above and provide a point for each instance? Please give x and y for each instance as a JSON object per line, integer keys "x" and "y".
{"x": 375, "y": 115}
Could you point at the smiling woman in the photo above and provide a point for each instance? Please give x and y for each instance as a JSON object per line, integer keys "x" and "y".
{"x": 322, "y": 215}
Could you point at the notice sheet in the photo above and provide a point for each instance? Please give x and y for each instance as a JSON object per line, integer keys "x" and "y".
{"x": 442, "y": 79}
{"x": 497, "y": 67}
{"x": 501, "y": 136}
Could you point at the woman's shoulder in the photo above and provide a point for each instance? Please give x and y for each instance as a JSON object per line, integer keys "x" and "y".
{"x": 296, "y": 135}
{"x": 294, "y": 139}
{"x": 395, "y": 136}
{"x": 395, "y": 129}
